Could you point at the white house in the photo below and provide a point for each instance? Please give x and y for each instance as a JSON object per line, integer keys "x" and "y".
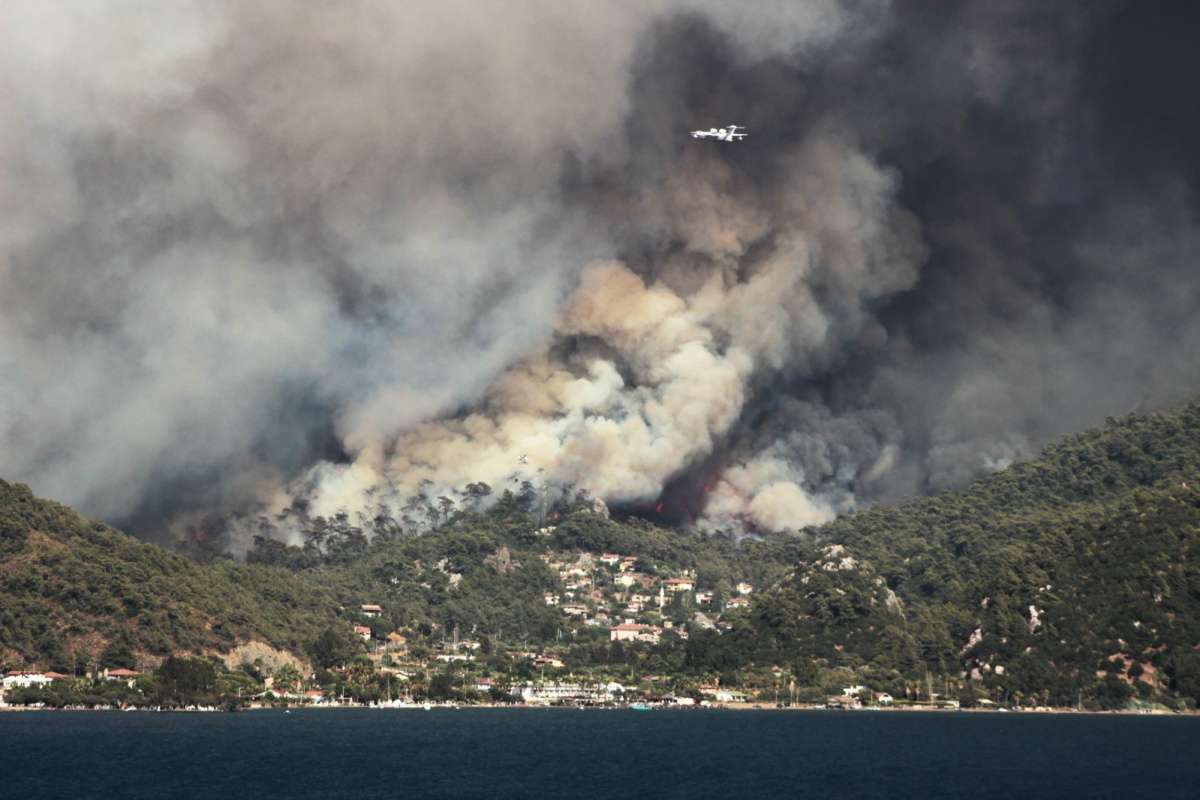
{"x": 634, "y": 632}
{"x": 651, "y": 634}
{"x": 23, "y": 680}
{"x": 547, "y": 693}
{"x": 626, "y": 632}
{"x": 744, "y": 588}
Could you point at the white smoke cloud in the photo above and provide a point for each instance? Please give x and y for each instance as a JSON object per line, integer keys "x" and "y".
{"x": 656, "y": 378}
{"x": 768, "y": 493}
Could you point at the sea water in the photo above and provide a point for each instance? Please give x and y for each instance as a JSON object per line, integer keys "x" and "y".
{"x": 551, "y": 753}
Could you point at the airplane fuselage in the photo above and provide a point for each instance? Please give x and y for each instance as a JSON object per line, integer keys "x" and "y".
{"x": 729, "y": 134}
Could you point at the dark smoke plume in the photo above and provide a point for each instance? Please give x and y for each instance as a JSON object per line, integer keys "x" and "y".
{"x": 253, "y": 259}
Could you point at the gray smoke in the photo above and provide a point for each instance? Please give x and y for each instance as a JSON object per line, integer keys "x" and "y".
{"x": 253, "y": 259}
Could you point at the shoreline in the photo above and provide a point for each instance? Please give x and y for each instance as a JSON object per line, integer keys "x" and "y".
{"x": 741, "y": 707}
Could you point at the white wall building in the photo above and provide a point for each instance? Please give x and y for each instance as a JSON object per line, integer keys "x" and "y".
{"x": 549, "y": 693}
{"x": 23, "y": 680}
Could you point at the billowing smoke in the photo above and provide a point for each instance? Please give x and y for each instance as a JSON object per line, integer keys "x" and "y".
{"x": 254, "y": 260}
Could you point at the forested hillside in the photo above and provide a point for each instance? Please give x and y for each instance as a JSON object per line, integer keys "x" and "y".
{"x": 1074, "y": 574}
{"x": 1071, "y": 578}
{"x": 72, "y": 589}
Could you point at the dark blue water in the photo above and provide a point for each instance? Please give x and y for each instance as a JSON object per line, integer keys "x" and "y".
{"x": 487, "y": 753}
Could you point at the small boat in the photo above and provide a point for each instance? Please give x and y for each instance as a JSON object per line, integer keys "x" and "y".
{"x": 640, "y": 707}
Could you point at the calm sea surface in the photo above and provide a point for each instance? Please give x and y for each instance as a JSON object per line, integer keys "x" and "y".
{"x": 537, "y": 754}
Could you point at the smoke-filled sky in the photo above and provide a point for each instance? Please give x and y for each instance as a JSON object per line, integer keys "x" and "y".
{"x": 260, "y": 255}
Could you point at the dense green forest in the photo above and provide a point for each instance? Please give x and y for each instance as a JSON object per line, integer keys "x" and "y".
{"x": 1074, "y": 577}
{"x": 72, "y": 589}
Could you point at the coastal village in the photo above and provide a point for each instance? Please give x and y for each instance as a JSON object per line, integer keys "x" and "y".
{"x": 519, "y": 606}
{"x": 606, "y": 602}
{"x": 601, "y": 597}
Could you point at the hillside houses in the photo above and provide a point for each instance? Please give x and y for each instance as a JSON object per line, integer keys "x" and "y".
{"x": 590, "y": 587}
{"x": 635, "y": 632}
{"x": 627, "y": 580}
{"x": 676, "y": 585}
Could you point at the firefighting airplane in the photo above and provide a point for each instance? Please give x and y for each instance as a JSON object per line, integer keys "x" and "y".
{"x": 729, "y": 134}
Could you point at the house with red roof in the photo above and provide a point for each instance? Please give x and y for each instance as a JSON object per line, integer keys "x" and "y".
{"x": 122, "y": 675}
